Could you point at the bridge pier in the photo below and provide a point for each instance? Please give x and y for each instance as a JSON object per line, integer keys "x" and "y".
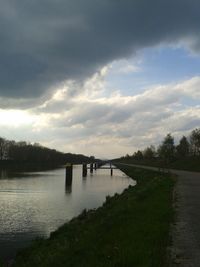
{"x": 84, "y": 172}
{"x": 111, "y": 172}
{"x": 95, "y": 166}
{"x": 68, "y": 173}
{"x": 91, "y": 167}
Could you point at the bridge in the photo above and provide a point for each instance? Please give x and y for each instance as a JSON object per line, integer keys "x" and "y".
{"x": 85, "y": 167}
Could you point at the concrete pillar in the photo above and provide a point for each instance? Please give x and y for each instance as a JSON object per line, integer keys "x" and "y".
{"x": 68, "y": 173}
{"x": 91, "y": 167}
{"x": 95, "y": 166}
{"x": 84, "y": 173}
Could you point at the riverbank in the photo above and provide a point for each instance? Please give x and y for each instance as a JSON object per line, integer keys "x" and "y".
{"x": 185, "y": 231}
{"x": 187, "y": 164}
{"x": 13, "y": 166}
{"x": 131, "y": 229}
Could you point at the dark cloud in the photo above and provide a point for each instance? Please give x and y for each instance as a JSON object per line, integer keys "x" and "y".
{"x": 45, "y": 42}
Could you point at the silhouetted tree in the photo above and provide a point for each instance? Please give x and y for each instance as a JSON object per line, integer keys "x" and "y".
{"x": 138, "y": 155}
{"x": 127, "y": 156}
{"x": 37, "y": 154}
{"x": 195, "y": 141}
{"x": 149, "y": 152}
{"x": 183, "y": 147}
{"x": 3, "y": 148}
{"x": 166, "y": 149}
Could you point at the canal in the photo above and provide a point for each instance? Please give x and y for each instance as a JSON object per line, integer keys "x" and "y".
{"x": 33, "y": 205}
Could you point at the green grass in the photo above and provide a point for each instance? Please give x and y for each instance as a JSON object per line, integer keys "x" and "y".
{"x": 187, "y": 164}
{"x": 129, "y": 230}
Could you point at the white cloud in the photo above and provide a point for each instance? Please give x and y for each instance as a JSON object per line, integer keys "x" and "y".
{"x": 190, "y": 87}
{"x": 128, "y": 68}
{"x": 124, "y": 66}
{"x": 81, "y": 118}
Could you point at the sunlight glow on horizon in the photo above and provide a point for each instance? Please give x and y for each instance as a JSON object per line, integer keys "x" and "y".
{"x": 16, "y": 118}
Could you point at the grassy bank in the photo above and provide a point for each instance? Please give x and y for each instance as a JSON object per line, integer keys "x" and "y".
{"x": 187, "y": 164}
{"x": 131, "y": 229}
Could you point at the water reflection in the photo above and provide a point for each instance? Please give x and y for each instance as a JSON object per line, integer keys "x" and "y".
{"x": 38, "y": 203}
{"x": 68, "y": 186}
{"x": 3, "y": 174}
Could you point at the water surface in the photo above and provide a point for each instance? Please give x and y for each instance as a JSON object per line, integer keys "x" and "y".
{"x": 35, "y": 204}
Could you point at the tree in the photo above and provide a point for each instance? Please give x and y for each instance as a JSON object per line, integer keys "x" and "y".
{"x": 183, "y": 147}
{"x": 149, "y": 152}
{"x": 138, "y": 155}
{"x": 195, "y": 141}
{"x": 3, "y": 148}
{"x": 166, "y": 149}
{"x": 92, "y": 158}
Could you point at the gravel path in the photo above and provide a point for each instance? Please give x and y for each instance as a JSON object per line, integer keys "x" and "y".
{"x": 186, "y": 231}
{"x": 185, "y": 250}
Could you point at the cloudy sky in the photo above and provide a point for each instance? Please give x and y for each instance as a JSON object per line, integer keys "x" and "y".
{"x": 102, "y": 78}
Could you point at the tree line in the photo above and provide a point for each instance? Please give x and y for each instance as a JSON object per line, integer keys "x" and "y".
{"x": 25, "y": 152}
{"x": 167, "y": 151}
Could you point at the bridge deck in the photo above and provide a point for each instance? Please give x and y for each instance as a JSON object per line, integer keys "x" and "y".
{"x": 104, "y": 168}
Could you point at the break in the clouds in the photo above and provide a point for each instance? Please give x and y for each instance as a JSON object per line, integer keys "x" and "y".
{"x": 46, "y": 42}
{"x": 108, "y": 124}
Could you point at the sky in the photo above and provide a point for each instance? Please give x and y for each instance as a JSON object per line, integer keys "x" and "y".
{"x": 102, "y": 78}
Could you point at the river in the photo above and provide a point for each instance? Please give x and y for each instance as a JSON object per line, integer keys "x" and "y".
{"x": 35, "y": 204}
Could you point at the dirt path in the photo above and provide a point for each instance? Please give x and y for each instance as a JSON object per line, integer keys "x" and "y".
{"x": 185, "y": 249}
{"x": 186, "y": 231}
